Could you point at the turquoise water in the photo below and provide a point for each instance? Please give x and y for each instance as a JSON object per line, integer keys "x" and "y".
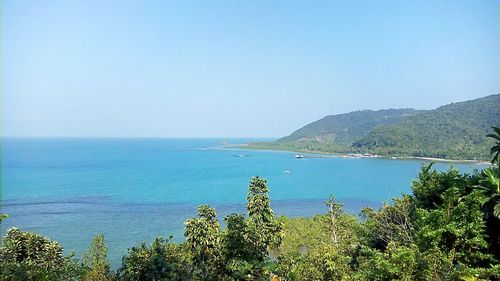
{"x": 133, "y": 190}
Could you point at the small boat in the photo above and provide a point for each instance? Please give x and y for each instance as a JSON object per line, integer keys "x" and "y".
{"x": 241, "y": 155}
{"x": 299, "y": 156}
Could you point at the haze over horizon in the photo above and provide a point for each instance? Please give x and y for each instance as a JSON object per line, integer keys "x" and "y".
{"x": 235, "y": 69}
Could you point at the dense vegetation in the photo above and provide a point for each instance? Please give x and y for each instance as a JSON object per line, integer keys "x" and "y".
{"x": 448, "y": 228}
{"x": 454, "y": 131}
{"x": 348, "y": 127}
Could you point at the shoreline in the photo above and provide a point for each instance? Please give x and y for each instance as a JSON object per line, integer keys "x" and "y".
{"x": 348, "y": 155}
{"x": 478, "y": 162}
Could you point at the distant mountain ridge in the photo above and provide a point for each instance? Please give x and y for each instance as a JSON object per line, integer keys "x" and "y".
{"x": 348, "y": 127}
{"x": 453, "y": 131}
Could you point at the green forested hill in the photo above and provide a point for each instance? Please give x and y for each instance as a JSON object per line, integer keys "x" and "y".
{"x": 453, "y": 131}
{"x": 347, "y": 127}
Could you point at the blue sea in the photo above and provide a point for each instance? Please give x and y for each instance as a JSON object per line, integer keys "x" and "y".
{"x": 133, "y": 190}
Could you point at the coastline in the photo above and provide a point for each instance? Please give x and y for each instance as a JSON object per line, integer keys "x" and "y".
{"x": 250, "y": 146}
{"x": 478, "y": 162}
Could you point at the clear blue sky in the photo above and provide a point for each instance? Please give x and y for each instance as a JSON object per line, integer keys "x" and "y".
{"x": 235, "y": 68}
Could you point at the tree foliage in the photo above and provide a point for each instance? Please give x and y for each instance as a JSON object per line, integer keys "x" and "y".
{"x": 95, "y": 264}
{"x": 203, "y": 241}
{"x": 495, "y": 149}
{"x": 31, "y": 256}
{"x": 159, "y": 261}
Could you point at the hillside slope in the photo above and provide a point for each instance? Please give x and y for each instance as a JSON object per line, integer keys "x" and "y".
{"x": 453, "y": 131}
{"x": 347, "y": 127}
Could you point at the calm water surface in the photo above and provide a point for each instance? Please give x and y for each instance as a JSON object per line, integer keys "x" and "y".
{"x": 133, "y": 190}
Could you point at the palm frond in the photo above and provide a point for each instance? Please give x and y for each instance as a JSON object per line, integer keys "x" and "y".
{"x": 496, "y": 210}
{"x": 493, "y": 136}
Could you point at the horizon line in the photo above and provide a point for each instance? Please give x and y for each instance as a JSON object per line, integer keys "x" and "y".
{"x": 133, "y": 137}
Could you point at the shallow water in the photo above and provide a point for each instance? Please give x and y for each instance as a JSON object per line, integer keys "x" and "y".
{"x": 133, "y": 190}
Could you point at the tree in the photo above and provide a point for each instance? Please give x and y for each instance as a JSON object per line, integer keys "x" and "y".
{"x": 264, "y": 230}
{"x": 392, "y": 223}
{"x": 247, "y": 242}
{"x": 95, "y": 264}
{"x": 262, "y": 222}
{"x": 203, "y": 239}
{"x": 395, "y": 263}
{"x": 495, "y": 150}
{"x": 237, "y": 248}
{"x": 31, "y": 256}
{"x": 324, "y": 263}
{"x": 159, "y": 261}
{"x": 456, "y": 227}
{"x": 335, "y": 211}
{"x": 490, "y": 183}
